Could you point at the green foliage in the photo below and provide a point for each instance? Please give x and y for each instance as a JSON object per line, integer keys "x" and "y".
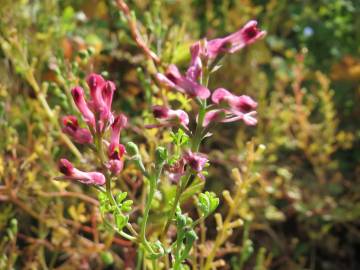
{"x": 207, "y": 203}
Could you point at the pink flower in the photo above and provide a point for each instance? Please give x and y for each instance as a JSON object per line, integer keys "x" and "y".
{"x": 115, "y": 166}
{"x": 101, "y": 93}
{"x": 116, "y": 150}
{"x": 235, "y": 107}
{"x": 176, "y": 171}
{"x": 97, "y": 112}
{"x": 115, "y": 153}
{"x": 96, "y": 84}
{"x": 79, "y": 99}
{"x": 184, "y": 84}
{"x": 108, "y": 93}
{"x": 213, "y": 116}
{"x": 170, "y": 117}
{"x": 236, "y": 41}
{"x": 195, "y": 69}
{"x": 202, "y": 51}
{"x": 196, "y": 161}
{"x": 119, "y": 123}
{"x": 71, "y": 128}
{"x": 89, "y": 178}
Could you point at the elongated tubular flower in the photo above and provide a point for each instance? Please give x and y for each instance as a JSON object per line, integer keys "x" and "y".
{"x": 71, "y": 128}
{"x": 196, "y": 161}
{"x": 79, "y": 99}
{"x": 108, "y": 93}
{"x": 214, "y": 116}
{"x": 236, "y": 41}
{"x": 115, "y": 149}
{"x": 195, "y": 69}
{"x": 101, "y": 93}
{"x": 185, "y": 84}
{"x": 170, "y": 117}
{"x": 119, "y": 123}
{"x": 71, "y": 173}
{"x": 236, "y": 107}
{"x": 208, "y": 50}
{"x": 96, "y": 84}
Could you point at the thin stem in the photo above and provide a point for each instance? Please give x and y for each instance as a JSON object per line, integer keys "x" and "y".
{"x": 199, "y": 128}
{"x": 153, "y": 179}
{"x": 100, "y": 151}
{"x": 152, "y": 189}
{"x": 180, "y": 188}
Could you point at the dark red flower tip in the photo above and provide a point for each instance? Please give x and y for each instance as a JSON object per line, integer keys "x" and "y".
{"x": 71, "y": 122}
{"x": 77, "y": 93}
{"x": 251, "y": 32}
{"x": 66, "y": 167}
{"x": 95, "y": 80}
{"x": 160, "y": 111}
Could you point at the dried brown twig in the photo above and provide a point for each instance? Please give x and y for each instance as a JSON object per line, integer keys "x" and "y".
{"x": 135, "y": 32}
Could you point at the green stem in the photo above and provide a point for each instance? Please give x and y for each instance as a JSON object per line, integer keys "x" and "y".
{"x": 199, "y": 128}
{"x": 184, "y": 180}
{"x": 100, "y": 151}
{"x": 153, "y": 179}
{"x": 152, "y": 189}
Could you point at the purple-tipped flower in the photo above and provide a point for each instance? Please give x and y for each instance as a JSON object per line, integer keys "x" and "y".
{"x": 185, "y": 84}
{"x": 71, "y": 128}
{"x": 203, "y": 51}
{"x": 89, "y": 178}
{"x": 79, "y": 99}
{"x": 116, "y": 150}
{"x": 119, "y": 123}
{"x": 108, "y": 93}
{"x": 101, "y": 93}
{"x": 96, "y": 83}
{"x": 235, "y": 107}
{"x": 196, "y": 161}
{"x": 169, "y": 117}
{"x": 195, "y": 69}
{"x": 236, "y": 41}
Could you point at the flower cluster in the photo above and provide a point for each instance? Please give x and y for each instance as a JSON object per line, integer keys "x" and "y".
{"x": 104, "y": 128}
{"x": 225, "y": 107}
{"x": 99, "y": 118}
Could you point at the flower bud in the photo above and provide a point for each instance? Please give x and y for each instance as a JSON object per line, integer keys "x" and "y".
{"x": 132, "y": 149}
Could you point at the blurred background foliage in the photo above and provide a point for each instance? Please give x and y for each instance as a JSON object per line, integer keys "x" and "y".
{"x": 304, "y": 211}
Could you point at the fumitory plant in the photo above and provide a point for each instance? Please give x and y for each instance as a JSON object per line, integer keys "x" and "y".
{"x": 169, "y": 243}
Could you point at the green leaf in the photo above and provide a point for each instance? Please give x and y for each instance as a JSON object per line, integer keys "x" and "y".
{"x": 120, "y": 221}
{"x": 120, "y": 197}
{"x": 208, "y": 202}
{"x": 126, "y": 206}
